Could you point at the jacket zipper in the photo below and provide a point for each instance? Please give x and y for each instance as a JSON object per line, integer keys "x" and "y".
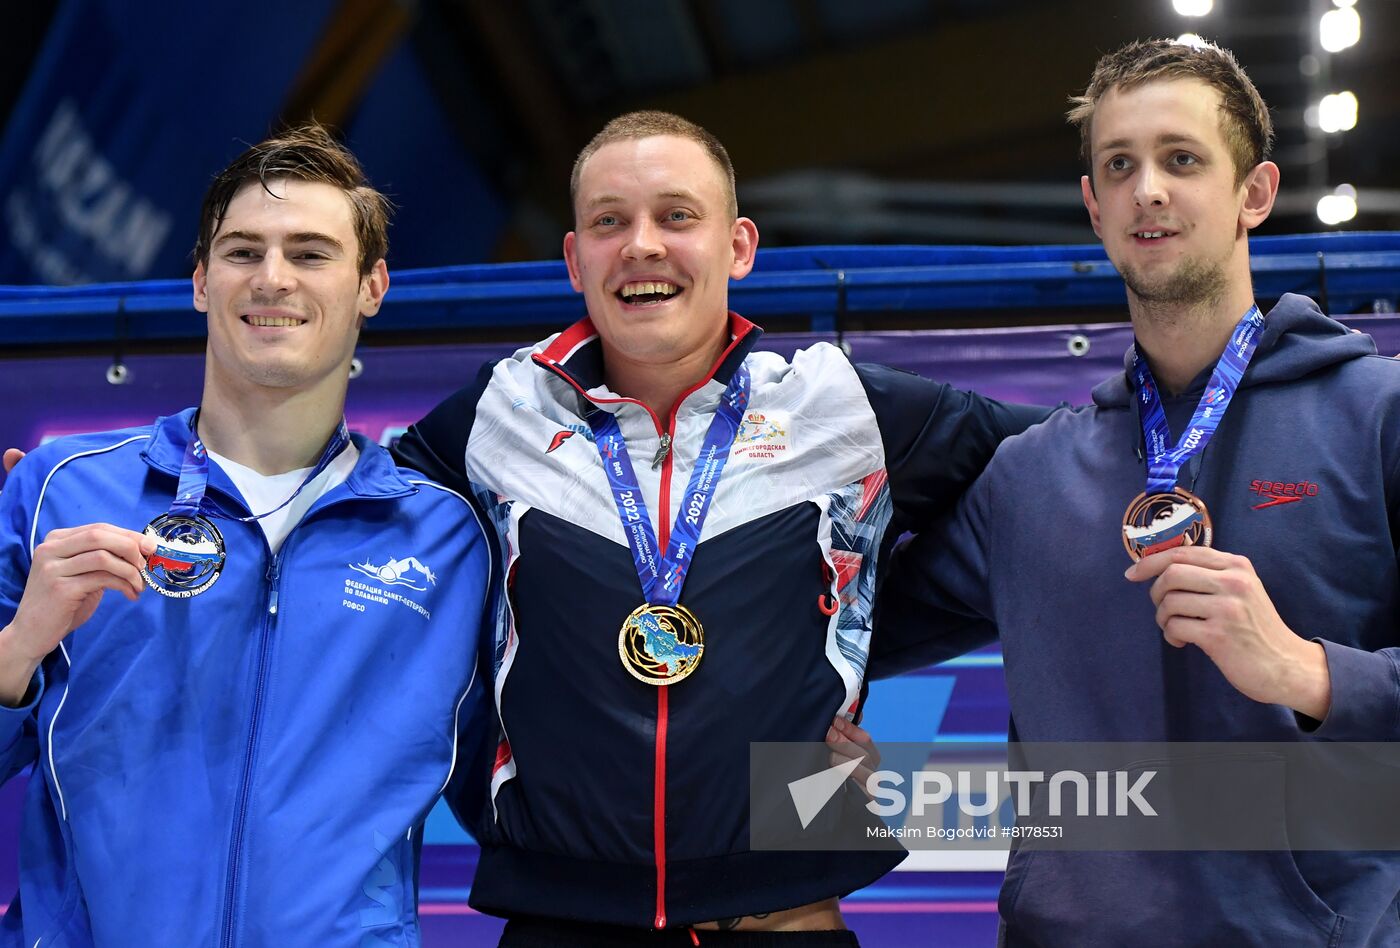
{"x": 241, "y": 814}
{"x": 663, "y": 457}
{"x": 658, "y": 803}
{"x": 274, "y": 570}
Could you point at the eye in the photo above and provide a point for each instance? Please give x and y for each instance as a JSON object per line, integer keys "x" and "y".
{"x": 1118, "y": 163}
{"x": 1183, "y": 159}
{"x": 241, "y": 253}
{"x": 313, "y": 256}
{"x": 606, "y": 220}
{"x": 678, "y": 216}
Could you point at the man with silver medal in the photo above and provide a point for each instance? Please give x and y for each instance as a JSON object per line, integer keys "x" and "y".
{"x": 1262, "y": 584}
{"x": 240, "y": 747}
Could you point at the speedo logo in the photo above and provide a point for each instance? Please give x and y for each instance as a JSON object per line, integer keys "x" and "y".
{"x": 1282, "y": 492}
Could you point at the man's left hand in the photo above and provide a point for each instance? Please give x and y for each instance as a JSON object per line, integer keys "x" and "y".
{"x": 1215, "y": 601}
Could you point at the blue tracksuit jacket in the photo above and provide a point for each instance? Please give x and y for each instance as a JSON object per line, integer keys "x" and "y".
{"x": 250, "y": 766}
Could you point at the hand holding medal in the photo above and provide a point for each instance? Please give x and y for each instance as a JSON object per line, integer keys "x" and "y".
{"x": 71, "y": 570}
{"x": 1216, "y": 602}
{"x": 1205, "y": 597}
{"x": 1165, "y": 516}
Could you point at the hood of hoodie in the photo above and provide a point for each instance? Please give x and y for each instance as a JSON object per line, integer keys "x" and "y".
{"x": 1297, "y": 341}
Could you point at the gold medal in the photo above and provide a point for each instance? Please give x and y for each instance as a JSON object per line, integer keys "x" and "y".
{"x": 1156, "y": 522}
{"x": 660, "y": 645}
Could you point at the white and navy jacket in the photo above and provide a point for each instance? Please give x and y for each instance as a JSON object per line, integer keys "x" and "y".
{"x": 249, "y": 766}
{"x": 618, "y": 802}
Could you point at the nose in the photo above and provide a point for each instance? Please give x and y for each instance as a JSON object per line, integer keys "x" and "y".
{"x": 274, "y": 275}
{"x": 1151, "y": 188}
{"x": 644, "y": 241}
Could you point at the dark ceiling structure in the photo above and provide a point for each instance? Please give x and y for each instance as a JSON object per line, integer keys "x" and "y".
{"x": 893, "y": 120}
{"x": 850, "y": 121}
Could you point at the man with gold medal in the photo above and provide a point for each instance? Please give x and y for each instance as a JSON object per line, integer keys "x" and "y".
{"x": 1262, "y": 589}
{"x": 690, "y": 531}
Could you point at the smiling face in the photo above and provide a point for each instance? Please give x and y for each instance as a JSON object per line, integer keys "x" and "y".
{"x": 1165, "y": 196}
{"x": 654, "y": 248}
{"x": 282, "y": 289}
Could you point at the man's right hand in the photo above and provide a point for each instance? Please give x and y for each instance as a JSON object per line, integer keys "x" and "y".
{"x": 848, "y": 741}
{"x": 71, "y": 570}
{"x": 12, "y": 457}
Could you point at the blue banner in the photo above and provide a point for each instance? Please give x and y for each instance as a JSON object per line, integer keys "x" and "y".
{"x": 130, "y": 108}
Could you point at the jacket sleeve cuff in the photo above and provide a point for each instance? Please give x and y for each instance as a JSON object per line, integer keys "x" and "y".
{"x": 12, "y": 719}
{"x": 1365, "y": 696}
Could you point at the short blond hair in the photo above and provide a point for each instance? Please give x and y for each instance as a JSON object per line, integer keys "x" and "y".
{"x": 648, "y": 124}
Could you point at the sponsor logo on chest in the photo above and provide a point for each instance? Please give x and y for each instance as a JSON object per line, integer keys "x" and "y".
{"x": 391, "y": 581}
{"x": 1278, "y": 493}
{"x": 763, "y": 436}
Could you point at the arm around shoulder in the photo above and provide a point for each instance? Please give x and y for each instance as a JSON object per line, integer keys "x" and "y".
{"x": 935, "y": 601}
{"x": 437, "y": 444}
{"x": 937, "y": 438}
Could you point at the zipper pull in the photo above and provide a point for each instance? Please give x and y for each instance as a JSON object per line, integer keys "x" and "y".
{"x": 661, "y": 451}
{"x": 273, "y": 570}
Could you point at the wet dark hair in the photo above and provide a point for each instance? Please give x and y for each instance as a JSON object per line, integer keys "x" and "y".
{"x": 307, "y": 153}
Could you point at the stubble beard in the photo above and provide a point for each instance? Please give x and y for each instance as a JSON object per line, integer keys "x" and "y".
{"x": 1170, "y": 297}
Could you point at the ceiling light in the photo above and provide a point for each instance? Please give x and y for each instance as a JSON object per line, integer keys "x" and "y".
{"x": 1337, "y": 113}
{"x": 1339, "y": 29}
{"x": 1192, "y": 7}
{"x": 1337, "y": 207}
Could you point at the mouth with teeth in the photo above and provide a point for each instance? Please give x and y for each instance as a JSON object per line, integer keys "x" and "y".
{"x": 1149, "y": 236}
{"x": 648, "y": 292}
{"x": 272, "y": 322}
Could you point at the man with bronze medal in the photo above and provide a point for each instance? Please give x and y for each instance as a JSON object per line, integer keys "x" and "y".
{"x": 1251, "y": 610}
{"x": 239, "y": 748}
{"x": 690, "y": 530}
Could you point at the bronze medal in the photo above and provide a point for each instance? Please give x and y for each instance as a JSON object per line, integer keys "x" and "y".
{"x": 1156, "y": 522}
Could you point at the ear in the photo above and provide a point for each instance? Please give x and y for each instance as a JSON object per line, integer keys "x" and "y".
{"x": 571, "y": 261}
{"x": 744, "y": 242}
{"x": 1260, "y": 189}
{"x": 372, "y": 289}
{"x": 1091, "y": 203}
{"x": 201, "y": 289}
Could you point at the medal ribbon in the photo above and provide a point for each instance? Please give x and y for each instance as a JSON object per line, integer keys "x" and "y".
{"x": 194, "y": 476}
{"x": 1163, "y": 462}
{"x": 662, "y": 577}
